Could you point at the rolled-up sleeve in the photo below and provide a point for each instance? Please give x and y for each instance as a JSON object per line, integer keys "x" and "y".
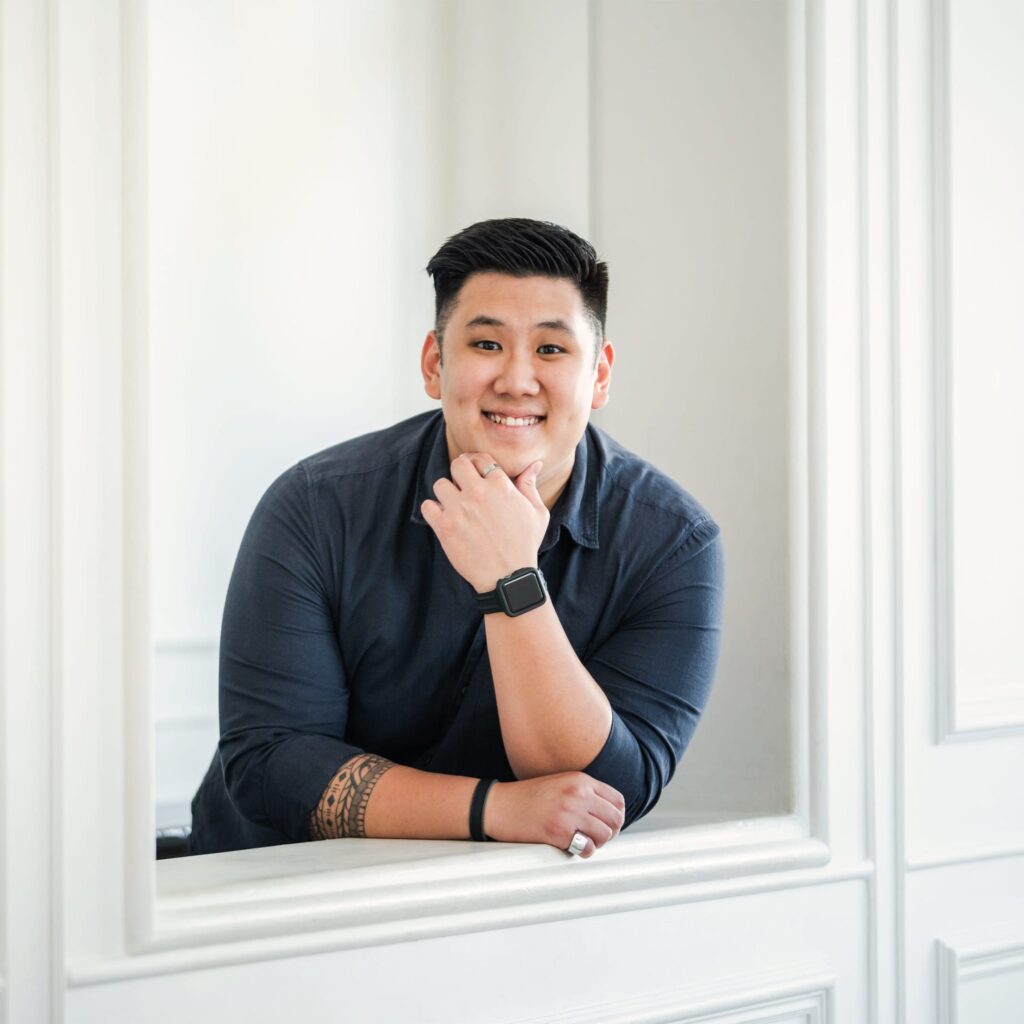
{"x": 283, "y": 693}
{"x": 657, "y": 670}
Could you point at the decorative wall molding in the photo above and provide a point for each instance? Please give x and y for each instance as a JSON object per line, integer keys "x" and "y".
{"x": 471, "y": 900}
{"x": 961, "y": 712}
{"x": 964, "y": 856}
{"x": 768, "y": 998}
{"x": 186, "y": 645}
{"x": 965, "y": 964}
{"x": 151, "y": 927}
{"x": 986, "y": 714}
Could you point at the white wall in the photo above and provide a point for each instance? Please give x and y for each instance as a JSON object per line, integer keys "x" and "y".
{"x": 893, "y": 892}
{"x": 288, "y": 300}
{"x": 289, "y": 163}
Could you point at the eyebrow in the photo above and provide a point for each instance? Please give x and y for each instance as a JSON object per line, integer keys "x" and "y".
{"x": 490, "y": 321}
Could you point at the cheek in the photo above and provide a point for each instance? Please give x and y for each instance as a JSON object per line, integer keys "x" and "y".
{"x": 463, "y": 387}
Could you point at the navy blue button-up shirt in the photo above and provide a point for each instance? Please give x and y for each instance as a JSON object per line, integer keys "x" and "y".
{"x": 346, "y": 630}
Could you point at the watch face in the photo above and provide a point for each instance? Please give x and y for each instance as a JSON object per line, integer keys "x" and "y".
{"x": 523, "y": 593}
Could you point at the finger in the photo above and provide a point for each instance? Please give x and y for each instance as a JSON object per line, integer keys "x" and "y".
{"x": 587, "y": 850}
{"x": 445, "y": 491}
{"x": 467, "y": 469}
{"x": 482, "y": 464}
{"x": 431, "y": 511}
{"x": 610, "y": 809}
{"x": 526, "y": 483}
{"x": 610, "y": 817}
{"x": 610, "y": 793}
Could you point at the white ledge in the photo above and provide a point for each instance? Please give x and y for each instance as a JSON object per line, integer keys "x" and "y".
{"x": 349, "y": 893}
{"x": 382, "y": 890}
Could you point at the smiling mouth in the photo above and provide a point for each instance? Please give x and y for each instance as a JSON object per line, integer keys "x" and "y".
{"x": 519, "y": 422}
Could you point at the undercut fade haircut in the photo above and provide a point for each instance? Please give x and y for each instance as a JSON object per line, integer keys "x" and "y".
{"x": 522, "y": 248}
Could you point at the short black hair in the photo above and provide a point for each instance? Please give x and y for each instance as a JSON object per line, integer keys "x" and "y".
{"x": 522, "y": 248}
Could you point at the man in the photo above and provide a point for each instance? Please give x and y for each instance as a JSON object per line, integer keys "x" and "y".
{"x": 490, "y": 621}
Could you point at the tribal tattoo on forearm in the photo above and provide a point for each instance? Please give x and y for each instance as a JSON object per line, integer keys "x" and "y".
{"x": 342, "y": 809}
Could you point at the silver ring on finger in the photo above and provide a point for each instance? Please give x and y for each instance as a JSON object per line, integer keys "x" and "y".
{"x": 493, "y": 466}
{"x": 578, "y": 844}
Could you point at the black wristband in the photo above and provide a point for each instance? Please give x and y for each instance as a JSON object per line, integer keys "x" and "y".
{"x": 476, "y": 810}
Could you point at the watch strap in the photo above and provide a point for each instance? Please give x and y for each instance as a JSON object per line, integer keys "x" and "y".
{"x": 489, "y": 602}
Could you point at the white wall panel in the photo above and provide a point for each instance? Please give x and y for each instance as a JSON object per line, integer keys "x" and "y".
{"x": 29, "y": 898}
{"x": 980, "y": 158}
{"x": 276, "y": 289}
{"x": 699, "y": 204}
{"x": 965, "y": 795}
{"x": 567, "y": 38}
{"x": 981, "y": 982}
{"x": 686, "y": 961}
{"x": 964, "y": 942}
{"x": 785, "y": 105}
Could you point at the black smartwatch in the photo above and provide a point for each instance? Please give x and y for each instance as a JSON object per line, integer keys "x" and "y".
{"x": 516, "y": 593}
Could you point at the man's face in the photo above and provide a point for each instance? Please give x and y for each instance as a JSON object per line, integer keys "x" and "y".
{"x": 520, "y": 348}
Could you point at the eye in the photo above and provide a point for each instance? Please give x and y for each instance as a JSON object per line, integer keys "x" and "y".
{"x": 557, "y": 349}
{"x": 474, "y": 344}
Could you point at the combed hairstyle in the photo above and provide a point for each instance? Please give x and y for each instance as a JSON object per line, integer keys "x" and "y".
{"x": 522, "y": 248}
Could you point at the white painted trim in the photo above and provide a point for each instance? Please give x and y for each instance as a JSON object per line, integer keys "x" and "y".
{"x": 975, "y": 712}
{"x": 948, "y": 984}
{"x": 355, "y": 881}
{"x": 965, "y": 855}
{"x": 990, "y": 713}
{"x": 961, "y": 963}
{"x": 745, "y": 999}
{"x": 883, "y": 692}
{"x": 646, "y": 869}
{"x": 807, "y": 529}
{"x": 52, "y": 842}
{"x": 30, "y": 946}
{"x": 277, "y": 946}
{"x": 810, "y": 697}
{"x": 170, "y": 723}
{"x": 397, "y": 888}
{"x": 897, "y": 822}
{"x": 185, "y": 645}
{"x": 140, "y": 812}
{"x": 942, "y": 451}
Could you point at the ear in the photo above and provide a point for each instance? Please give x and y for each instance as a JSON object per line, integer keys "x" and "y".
{"x": 603, "y": 375}
{"x": 430, "y": 364}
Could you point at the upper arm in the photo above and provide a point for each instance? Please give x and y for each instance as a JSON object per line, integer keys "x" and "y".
{"x": 283, "y": 692}
{"x": 657, "y": 669}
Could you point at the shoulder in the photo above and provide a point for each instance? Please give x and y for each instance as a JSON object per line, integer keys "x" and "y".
{"x": 374, "y": 452}
{"x": 636, "y": 492}
{"x": 391, "y": 453}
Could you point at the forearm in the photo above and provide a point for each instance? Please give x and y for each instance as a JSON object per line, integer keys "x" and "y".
{"x": 372, "y": 797}
{"x": 554, "y": 717}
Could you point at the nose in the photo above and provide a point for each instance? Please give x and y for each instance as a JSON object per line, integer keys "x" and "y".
{"x": 517, "y": 375}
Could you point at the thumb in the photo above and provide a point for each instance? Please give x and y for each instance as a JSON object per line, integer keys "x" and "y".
{"x": 527, "y": 481}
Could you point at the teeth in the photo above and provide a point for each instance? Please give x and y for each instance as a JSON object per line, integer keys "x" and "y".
{"x": 510, "y": 421}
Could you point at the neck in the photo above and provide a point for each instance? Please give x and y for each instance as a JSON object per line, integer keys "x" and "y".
{"x": 550, "y": 490}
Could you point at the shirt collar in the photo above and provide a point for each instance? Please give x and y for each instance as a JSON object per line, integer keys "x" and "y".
{"x": 576, "y": 508}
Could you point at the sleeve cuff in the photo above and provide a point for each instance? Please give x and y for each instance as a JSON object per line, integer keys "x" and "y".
{"x": 297, "y": 773}
{"x": 618, "y": 764}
